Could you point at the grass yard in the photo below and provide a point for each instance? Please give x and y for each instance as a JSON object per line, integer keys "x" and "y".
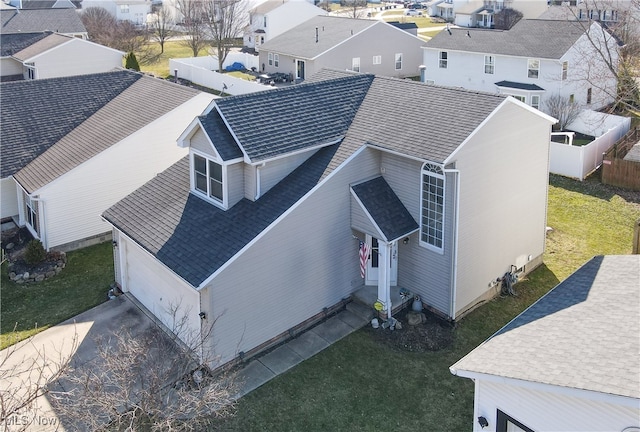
{"x": 32, "y": 308}
{"x": 172, "y": 49}
{"x": 358, "y": 385}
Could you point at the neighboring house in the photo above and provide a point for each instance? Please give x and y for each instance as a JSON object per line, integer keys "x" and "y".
{"x": 46, "y": 4}
{"x": 134, "y": 11}
{"x": 73, "y": 146}
{"x": 567, "y": 363}
{"x": 534, "y": 60}
{"x": 480, "y": 12}
{"x": 258, "y": 230}
{"x": 274, "y": 17}
{"x": 370, "y": 46}
{"x": 51, "y": 55}
{"x": 63, "y": 21}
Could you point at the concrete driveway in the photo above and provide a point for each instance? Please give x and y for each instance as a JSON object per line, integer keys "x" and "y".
{"x": 34, "y": 361}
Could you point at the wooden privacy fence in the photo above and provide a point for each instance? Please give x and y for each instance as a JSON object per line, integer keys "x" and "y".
{"x": 618, "y": 171}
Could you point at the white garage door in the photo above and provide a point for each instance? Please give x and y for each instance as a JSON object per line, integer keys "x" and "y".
{"x": 167, "y": 297}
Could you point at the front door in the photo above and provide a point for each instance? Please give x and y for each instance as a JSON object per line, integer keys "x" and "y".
{"x": 300, "y": 69}
{"x": 374, "y": 263}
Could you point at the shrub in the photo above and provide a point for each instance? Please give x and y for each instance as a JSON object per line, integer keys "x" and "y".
{"x": 35, "y": 253}
{"x": 131, "y": 62}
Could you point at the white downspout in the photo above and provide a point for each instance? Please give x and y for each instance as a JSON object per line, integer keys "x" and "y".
{"x": 454, "y": 259}
{"x": 387, "y": 282}
{"x": 258, "y": 180}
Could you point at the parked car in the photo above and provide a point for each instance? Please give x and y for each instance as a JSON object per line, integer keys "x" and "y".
{"x": 413, "y": 12}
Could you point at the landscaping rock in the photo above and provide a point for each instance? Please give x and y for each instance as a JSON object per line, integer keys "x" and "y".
{"x": 9, "y": 246}
{"x": 39, "y": 278}
{"x": 26, "y": 275}
{"x": 49, "y": 274}
{"x": 12, "y": 275}
{"x": 415, "y": 318}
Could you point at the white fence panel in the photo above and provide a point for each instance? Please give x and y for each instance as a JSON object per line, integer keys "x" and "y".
{"x": 198, "y": 71}
{"x": 580, "y": 161}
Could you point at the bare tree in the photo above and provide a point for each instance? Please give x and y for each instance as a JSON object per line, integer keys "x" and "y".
{"x": 158, "y": 380}
{"x": 27, "y": 369}
{"x": 619, "y": 22}
{"x": 353, "y": 8}
{"x": 100, "y": 25}
{"x": 563, "y": 109}
{"x": 161, "y": 26}
{"x": 226, "y": 20}
{"x": 193, "y": 20}
{"x": 506, "y": 18}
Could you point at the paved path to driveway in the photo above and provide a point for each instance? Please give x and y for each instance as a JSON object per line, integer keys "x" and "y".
{"x": 76, "y": 338}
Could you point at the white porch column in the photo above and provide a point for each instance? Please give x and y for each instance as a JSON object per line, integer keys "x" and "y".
{"x": 384, "y": 275}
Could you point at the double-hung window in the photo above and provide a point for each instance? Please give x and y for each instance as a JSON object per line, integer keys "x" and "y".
{"x": 270, "y": 59}
{"x": 124, "y": 8}
{"x": 276, "y": 60}
{"x": 207, "y": 178}
{"x": 565, "y": 70}
{"x": 489, "y": 64}
{"x": 355, "y": 64}
{"x": 432, "y": 211}
{"x": 535, "y": 101}
{"x": 533, "y": 68}
{"x": 398, "y": 61}
{"x": 31, "y": 213}
{"x": 443, "y": 57}
{"x": 377, "y": 59}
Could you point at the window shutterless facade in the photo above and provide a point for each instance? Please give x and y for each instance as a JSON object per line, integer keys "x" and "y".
{"x": 565, "y": 70}
{"x": 31, "y": 212}
{"x": 443, "y": 57}
{"x": 355, "y": 64}
{"x": 432, "y": 209}
{"x": 489, "y": 64}
{"x": 377, "y": 60}
{"x": 208, "y": 178}
{"x": 533, "y": 68}
{"x": 270, "y": 59}
{"x": 535, "y": 101}
{"x": 398, "y": 61}
{"x": 276, "y": 60}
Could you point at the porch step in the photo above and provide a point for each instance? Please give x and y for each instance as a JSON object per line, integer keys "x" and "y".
{"x": 360, "y": 310}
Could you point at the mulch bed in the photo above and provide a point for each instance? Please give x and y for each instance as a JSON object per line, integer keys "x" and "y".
{"x": 432, "y": 335}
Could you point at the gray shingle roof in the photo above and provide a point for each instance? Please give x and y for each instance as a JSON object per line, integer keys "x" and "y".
{"x": 300, "y": 41}
{"x": 220, "y": 136}
{"x": 16, "y": 42}
{"x": 547, "y": 39}
{"x": 270, "y": 124}
{"x": 43, "y": 45}
{"x": 583, "y": 334}
{"x": 39, "y": 20}
{"x": 126, "y": 113}
{"x": 386, "y": 209}
{"x": 194, "y": 238}
{"x": 38, "y": 113}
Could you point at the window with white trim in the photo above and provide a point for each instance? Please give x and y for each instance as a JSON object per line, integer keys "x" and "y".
{"x": 377, "y": 59}
{"x": 589, "y": 95}
{"x": 432, "y": 211}
{"x": 276, "y": 60}
{"x": 565, "y": 70}
{"x": 398, "y": 61}
{"x": 270, "y": 59}
{"x": 520, "y": 98}
{"x": 535, "y": 101}
{"x": 208, "y": 178}
{"x": 506, "y": 423}
{"x": 355, "y": 64}
{"x": 443, "y": 57}
{"x": 31, "y": 212}
{"x": 124, "y": 8}
{"x": 489, "y": 64}
{"x": 533, "y": 68}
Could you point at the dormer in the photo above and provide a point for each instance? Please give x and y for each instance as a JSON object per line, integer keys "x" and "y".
{"x": 215, "y": 161}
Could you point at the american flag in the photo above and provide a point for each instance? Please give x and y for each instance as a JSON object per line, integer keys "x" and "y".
{"x": 364, "y": 257}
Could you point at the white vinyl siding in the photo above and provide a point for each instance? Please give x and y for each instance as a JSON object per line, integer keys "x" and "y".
{"x": 9, "y": 201}
{"x": 570, "y": 411}
{"x": 74, "y": 202}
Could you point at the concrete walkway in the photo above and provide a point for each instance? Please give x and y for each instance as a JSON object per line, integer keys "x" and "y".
{"x": 264, "y": 368}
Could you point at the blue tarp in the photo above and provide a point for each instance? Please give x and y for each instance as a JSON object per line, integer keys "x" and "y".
{"x": 236, "y": 66}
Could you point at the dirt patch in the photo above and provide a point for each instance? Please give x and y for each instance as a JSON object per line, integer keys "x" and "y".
{"x": 433, "y": 334}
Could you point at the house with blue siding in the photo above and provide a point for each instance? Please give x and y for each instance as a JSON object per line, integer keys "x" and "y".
{"x": 257, "y": 233}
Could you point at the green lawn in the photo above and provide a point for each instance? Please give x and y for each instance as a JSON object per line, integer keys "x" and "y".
{"x": 357, "y": 385}
{"x": 172, "y": 49}
{"x": 35, "y": 307}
